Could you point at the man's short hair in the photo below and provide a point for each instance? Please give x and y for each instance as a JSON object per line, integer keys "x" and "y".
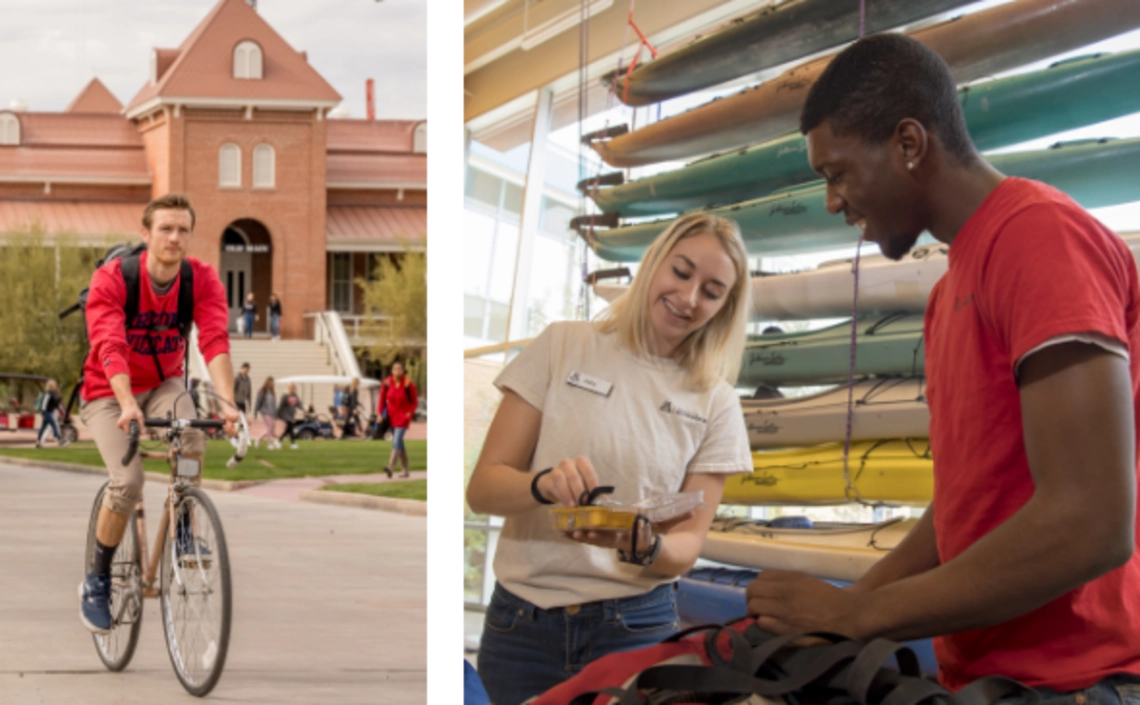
{"x": 171, "y": 201}
{"x": 244, "y": 365}
{"x": 878, "y": 81}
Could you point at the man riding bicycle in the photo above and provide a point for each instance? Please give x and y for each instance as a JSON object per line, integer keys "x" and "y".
{"x": 135, "y": 370}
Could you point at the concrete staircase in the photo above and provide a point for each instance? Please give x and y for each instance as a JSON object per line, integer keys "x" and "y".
{"x": 279, "y": 359}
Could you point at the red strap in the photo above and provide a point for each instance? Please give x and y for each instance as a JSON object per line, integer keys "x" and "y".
{"x": 633, "y": 64}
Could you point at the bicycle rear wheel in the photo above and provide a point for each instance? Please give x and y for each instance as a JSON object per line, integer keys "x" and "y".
{"x": 196, "y": 594}
{"x": 116, "y": 648}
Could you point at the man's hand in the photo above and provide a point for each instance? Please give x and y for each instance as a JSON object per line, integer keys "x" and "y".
{"x": 232, "y": 416}
{"x": 784, "y": 602}
{"x": 131, "y": 412}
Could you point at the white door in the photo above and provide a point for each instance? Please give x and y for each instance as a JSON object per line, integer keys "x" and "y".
{"x": 237, "y": 277}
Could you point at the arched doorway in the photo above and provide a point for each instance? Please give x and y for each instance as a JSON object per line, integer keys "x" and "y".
{"x": 247, "y": 266}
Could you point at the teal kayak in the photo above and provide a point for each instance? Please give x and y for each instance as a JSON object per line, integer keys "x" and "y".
{"x": 1095, "y": 173}
{"x": 764, "y": 39}
{"x": 999, "y": 113}
{"x": 884, "y": 345}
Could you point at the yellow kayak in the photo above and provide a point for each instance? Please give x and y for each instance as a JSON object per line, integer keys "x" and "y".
{"x": 895, "y": 471}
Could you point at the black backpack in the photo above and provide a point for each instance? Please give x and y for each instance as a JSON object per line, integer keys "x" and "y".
{"x": 129, "y": 253}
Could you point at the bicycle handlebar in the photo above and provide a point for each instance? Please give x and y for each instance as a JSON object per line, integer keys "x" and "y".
{"x": 239, "y": 452}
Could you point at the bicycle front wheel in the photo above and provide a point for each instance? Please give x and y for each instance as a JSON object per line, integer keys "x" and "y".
{"x": 196, "y": 595}
{"x": 117, "y": 647}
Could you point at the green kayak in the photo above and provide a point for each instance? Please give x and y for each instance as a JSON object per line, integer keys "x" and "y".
{"x": 1095, "y": 173}
{"x": 767, "y": 38}
{"x": 999, "y": 113}
{"x": 884, "y": 345}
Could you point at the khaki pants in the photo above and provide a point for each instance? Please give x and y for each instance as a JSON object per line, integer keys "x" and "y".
{"x": 101, "y": 415}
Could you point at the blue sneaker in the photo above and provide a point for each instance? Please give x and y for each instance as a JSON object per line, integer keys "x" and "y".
{"x": 95, "y": 603}
{"x": 187, "y": 553}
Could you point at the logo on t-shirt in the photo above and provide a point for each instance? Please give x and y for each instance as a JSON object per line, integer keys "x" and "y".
{"x": 961, "y": 302}
{"x": 669, "y": 408}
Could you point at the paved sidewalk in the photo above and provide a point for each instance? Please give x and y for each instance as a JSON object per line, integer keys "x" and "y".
{"x": 329, "y": 602}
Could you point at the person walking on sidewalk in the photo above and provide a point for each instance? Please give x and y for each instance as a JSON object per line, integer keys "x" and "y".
{"x": 243, "y": 389}
{"x": 266, "y": 408}
{"x": 287, "y": 412}
{"x": 48, "y": 406}
{"x": 248, "y": 315}
{"x": 399, "y": 398}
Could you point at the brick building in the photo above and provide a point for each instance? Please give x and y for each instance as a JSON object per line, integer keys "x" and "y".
{"x": 287, "y": 199}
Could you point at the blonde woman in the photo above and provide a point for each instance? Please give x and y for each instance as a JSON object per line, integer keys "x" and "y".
{"x": 641, "y": 400}
{"x": 49, "y": 404}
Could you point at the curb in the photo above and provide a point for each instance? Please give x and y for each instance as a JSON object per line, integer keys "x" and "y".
{"x": 409, "y": 507}
{"x": 215, "y": 485}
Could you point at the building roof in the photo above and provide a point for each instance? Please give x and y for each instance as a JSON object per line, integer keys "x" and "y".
{"x": 87, "y": 221}
{"x": 348, "y": 170}
{"x": 203, "y": 67}
{"x": 102, "y": 130}
{"x": 95, "y": 98}
{"x": 74, "y": 165}
{"x": 346, "y": 135}
{"x": 375, "y": 227}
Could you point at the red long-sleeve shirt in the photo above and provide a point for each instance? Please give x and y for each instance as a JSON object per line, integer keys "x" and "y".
{"x": 401, "y": 400}
{"x": 115, "y": 350}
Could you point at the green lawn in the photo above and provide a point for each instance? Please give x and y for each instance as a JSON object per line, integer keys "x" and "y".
{"x": 410, "y": 489}
{"x": 313, "y": 458}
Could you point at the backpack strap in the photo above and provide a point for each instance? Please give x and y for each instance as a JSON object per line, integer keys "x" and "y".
{"x": 186, "y": 301}
{"x": 130, "y": 269}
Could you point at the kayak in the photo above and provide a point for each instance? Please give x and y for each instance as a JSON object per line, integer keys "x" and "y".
{"x": 885, "y": 345}
{"x": 895, "y": 471}
{"x": 713, "y": 595}
{"x": 1095, "y": 173}
{"x": 885, "y": 286}
{"x": 883, "y": 408}
{"x": 982, "y": 44}
{"x": 999, "y": 113}
{"x": 762, "y": 40}
{"x": 837, "y": 552}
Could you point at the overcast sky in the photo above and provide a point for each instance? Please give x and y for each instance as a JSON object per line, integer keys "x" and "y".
{"x": 50, "y": 49}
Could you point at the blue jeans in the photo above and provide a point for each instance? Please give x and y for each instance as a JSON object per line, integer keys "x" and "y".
{"x": 1120, "y": 689}
{"x": 526, "y": 650}
{"x": 398, "y": 444}
{"x": 275, "y": 326}
{"x": 248, "y": 327}
{"x": 49, "y": 418}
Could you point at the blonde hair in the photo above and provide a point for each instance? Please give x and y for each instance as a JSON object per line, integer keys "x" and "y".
{"x": 716, "y": 350}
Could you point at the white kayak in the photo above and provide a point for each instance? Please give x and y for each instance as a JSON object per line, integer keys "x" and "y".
{"x": 883, "y": 408}
{"x": 829, "y": 551}
{"x": 885, "y": 286}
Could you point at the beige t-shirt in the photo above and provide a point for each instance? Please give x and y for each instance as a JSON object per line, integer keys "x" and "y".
{"x": 643, "y": 438}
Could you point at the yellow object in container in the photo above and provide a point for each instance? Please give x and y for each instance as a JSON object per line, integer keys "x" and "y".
{"x": 593, "y": 518}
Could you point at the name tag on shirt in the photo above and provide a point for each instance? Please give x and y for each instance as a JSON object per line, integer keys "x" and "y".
{"x": 590, "y": 384}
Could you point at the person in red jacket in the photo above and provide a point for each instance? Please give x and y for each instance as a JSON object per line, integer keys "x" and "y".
{"x": 135, "y": 368}
{"x": 398, "y": 398}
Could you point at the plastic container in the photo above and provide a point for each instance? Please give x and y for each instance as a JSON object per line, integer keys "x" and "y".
{"x": 609, "y": 515}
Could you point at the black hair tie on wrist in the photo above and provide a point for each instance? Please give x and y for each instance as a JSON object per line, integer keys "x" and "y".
{"x": 534, "y": 487}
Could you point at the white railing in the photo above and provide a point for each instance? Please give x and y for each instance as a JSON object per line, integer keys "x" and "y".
{"x": 328, "y": 330}
{"x": 196, "y": 362}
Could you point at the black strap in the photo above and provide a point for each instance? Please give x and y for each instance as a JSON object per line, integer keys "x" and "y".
{"x": 870, "y": 661}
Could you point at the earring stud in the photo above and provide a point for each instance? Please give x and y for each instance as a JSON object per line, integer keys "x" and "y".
{"x": 910, "y": 166}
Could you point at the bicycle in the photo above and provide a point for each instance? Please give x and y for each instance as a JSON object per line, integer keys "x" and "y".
{"x": 194, "y": 583}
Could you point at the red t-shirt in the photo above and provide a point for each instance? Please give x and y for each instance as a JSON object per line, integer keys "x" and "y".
{"x": 116, "y": 350}
{"x": 1029, "y": 265}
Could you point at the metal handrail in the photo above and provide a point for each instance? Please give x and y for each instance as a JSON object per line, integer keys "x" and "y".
{"x": 498, "y": 347}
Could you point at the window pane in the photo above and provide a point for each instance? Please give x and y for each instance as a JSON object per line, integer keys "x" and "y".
{"x": 483, "y": 187}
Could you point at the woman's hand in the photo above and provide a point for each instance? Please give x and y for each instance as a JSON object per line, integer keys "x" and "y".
{"x": 568, "y": 480}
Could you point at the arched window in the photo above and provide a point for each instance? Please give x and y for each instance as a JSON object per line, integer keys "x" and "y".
{"x": 229, "y": 165}
{"x": 264, "y": 166}
{"x": 9, "y": 129}
{"x": 419, "y": 139}
{"x": 247, "y": 60}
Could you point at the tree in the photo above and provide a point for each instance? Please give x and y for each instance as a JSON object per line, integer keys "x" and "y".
{"x": 38, "y": 279}
{"x": 398, "y": 294}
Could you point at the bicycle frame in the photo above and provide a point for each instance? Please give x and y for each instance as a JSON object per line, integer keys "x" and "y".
{"x": 149, "y": 561}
